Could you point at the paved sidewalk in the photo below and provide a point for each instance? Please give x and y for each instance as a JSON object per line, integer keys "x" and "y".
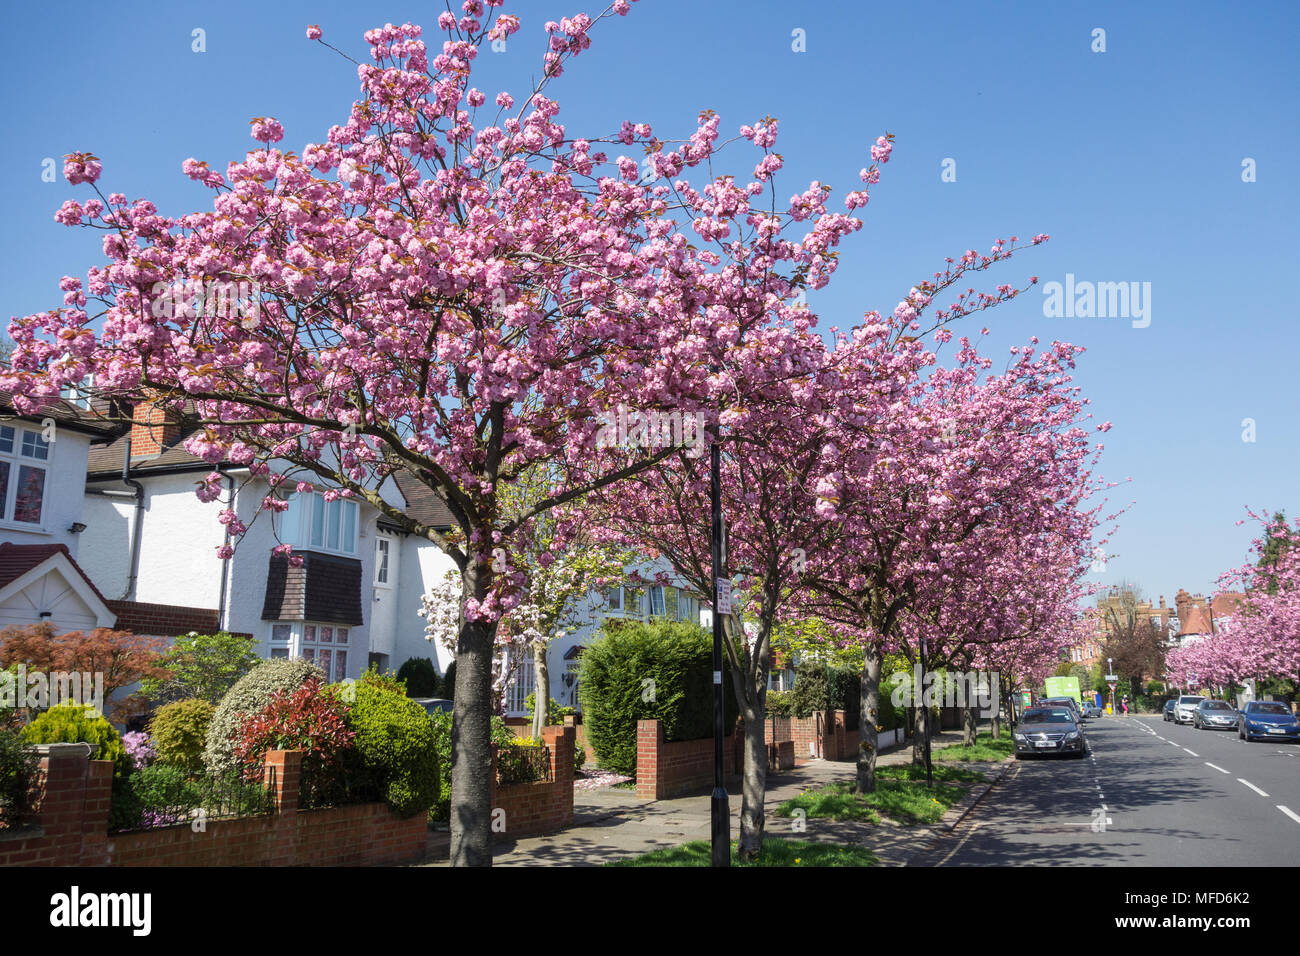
{"x": 613, "y": 824}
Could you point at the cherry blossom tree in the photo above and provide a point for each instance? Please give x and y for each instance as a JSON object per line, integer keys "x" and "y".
{"x": 450, "y": 284}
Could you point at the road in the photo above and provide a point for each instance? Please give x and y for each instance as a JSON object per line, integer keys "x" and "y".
{"x": 1169, "y": 795}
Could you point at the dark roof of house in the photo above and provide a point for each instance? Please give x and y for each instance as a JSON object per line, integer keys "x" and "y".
{"x": 17, "y": 559}
{"x": 423, "y": 503}
{"x": 105, "y": 461}
{"x": 65, "y": 414}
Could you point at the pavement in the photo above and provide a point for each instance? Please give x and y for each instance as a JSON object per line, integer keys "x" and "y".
{"x": 613, "y": 824}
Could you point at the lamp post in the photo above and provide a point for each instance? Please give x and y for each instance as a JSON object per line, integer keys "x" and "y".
{"x": 720, "y": 809}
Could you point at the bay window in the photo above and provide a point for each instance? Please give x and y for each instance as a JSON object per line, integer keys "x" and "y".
{"x": 326, "y": 645}
{"x": 313, "y": 524}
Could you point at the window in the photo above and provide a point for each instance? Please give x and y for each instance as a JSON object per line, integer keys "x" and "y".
{"x": 656, "y": 601}
{"x": 313, "y": 524}
{"x": 521, "y": 682}
{"x": 78, "y": 395}
{"x": 22, "y": 474}
{"x": 381, "y": 560}
{"x": 614, "y": 599}
{"x": 671, "y": 606}
{"x": 326, "y": 645}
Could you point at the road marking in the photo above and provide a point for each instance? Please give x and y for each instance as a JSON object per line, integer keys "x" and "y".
{"x": 1192, "y": 752}
{"x": 1210, "y": 765}
{"x": 1294, "y": 816}
{"x": 1252, "y": 786}
{"x": 1172, "y": 744}
{"x": 960, "y": 843}
{"x": 1106, "y": 808}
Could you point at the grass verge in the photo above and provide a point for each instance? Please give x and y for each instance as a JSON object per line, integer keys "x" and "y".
{"x": 985, "y": 750}
{"x": 901, "y": 794}
{"x": 775, "y": 852}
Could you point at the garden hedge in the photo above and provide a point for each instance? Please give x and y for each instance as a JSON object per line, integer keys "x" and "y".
{"x": 655, "y": 670}
{"x": 179, "y": 732}
{"x": 398, "y": 744}
{"x": 249, "y": 696}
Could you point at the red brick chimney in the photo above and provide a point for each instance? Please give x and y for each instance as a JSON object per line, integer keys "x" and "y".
{"x": 152, "y": 430}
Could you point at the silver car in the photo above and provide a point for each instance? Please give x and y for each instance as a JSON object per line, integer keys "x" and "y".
{"x": 1049, "y": 730}
{"x": 1215, "y": 715}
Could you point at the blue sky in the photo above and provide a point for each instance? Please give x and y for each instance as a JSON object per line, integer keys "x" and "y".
{"x": 1130, "y": 159}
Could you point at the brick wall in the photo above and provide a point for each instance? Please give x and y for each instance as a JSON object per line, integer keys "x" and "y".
{"x": 672, "y": 768}
{"x": 527, "y": 809}
{"x": 164, "y": 620}
{"x": 71, "y": 827}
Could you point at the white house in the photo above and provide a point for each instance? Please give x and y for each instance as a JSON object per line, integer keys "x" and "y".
{"x": 42, "y": 466}
{"x": 152, "y": 544}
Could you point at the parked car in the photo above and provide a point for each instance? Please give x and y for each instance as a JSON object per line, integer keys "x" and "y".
{"x": 1214, "y": 715}
{"x": 1185, "y": 710}
{"x": 434, "y": 704}
{"x": 1069, "y": 702}
{"x": 1267, "y": 718}
{"x": 1049, "y": 730}
{"x": 1090, "y": 709}
{"x": 1169, "y": 709}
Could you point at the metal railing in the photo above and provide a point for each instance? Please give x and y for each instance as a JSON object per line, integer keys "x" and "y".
{"x": 522, "y": 764}
{"x": 185, "y": 800}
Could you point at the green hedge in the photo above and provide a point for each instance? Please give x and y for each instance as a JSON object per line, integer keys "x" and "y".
{"x": 421, "y": 677}
{"x": 648, "y": 671}
{"x": 179, "y": 732}
{"x": 396, "y": 743}
{"x": 252, "y": 693}
{"x": 820, "y": 686}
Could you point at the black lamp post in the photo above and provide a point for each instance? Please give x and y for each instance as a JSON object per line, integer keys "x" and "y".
{"x": 719, "y": 805}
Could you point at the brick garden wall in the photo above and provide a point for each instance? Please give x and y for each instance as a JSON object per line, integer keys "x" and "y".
{"x": 669, "y": 769}
{"x": 71, "y": 827}
{"x": 541, "y": 807}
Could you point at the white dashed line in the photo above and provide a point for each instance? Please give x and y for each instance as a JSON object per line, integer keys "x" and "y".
{"x": 1252, "y": 786}
{"x": 1290, "y": 813}
{"x": 1193, "y": 753}
{"x": 1213, "y": 767}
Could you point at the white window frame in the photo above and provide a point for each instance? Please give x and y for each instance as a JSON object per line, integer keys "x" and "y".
{"x": 521, "y": 681}
{"x": 383, "y": 561}
{"x": 17, "y": 459}
{"x": 659, "y": 610}
{"x": 304, "y": 639}
{"x": 299, "y": 521}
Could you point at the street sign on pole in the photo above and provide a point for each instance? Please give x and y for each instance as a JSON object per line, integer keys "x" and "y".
{"x": 724, "y": 596}
{"x": 1112, "y": 678}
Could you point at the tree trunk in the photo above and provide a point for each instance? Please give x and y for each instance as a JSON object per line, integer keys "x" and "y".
{"x": 753, "y": 789}
{"x": 969, "y": 726}
{"x": 868, "y": 739}
{"x": 541, "y": 689}
{"x": 996, "y": 680}
{"x": 922, "y": 735}
{"x": 471, "y": 737}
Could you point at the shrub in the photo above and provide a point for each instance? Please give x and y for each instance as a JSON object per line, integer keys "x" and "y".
{"x": 18, "y": 766}
{"x": 579, "y": 757}
{"x": 819, "y": 686}
{"x": 398, "y": 747}
{"x": 305, "y": 719}
{"x": 179, "y": 731}
{"x": 420, "y": 677}
{"x": 201, "y": 665}
{"x": 139, "y": 748}
{"x": 389, "y": 682}
{"x": 72, "y": 723}
{"x": 557, "y": 713}
{"x": 779, "y": 704}
{"x": 658, "y": 670}
{"x": 523, "y": 760}
{"x": 249, "y": 696}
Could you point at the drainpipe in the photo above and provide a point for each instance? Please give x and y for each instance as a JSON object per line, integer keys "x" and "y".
{"x": 129, "y": 594}
{"x": 225, "y": 565}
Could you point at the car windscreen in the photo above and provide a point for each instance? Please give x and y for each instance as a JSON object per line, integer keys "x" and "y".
{"x": 1268, "y": 707}
{"x": 1047, "y": 717}
{"x": 1189, "y": 700}
{"x": 1216, "y": 705}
